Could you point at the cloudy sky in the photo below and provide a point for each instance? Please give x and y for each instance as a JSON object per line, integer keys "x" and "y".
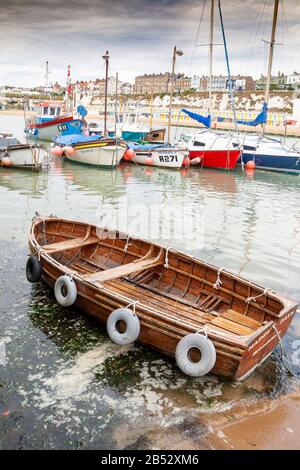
{"x": 139, "y": 35}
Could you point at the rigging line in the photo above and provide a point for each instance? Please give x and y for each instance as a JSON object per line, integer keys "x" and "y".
{"x": 266, "y": 32}
{"x": 282, "y": 62}
{"x": 197, "y": 37}
{"x": 254, "y": 42}
{"x": 230, "y": 82}
{"x": 291, "y": 50}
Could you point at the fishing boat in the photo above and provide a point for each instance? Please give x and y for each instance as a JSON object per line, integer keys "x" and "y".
{"x": 156, "y": 155}
{"x": 49, "y": 123}
{"x": 92, "y": 150}
{"x": 209, "y": 320}
{"x": 15, "y": 154}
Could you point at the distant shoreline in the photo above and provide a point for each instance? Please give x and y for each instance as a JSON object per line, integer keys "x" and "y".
{"x": 292, "y": 131}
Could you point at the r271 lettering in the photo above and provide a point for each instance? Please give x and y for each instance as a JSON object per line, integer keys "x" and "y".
{"x": 168, "y": 158}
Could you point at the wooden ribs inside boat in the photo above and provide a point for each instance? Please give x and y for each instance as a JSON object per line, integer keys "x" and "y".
{"x": 174, "y": 294}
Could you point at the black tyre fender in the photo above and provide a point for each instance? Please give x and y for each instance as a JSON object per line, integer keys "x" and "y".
{"x": 33, "y": 269}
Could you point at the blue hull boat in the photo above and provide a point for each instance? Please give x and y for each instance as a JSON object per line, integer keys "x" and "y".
{"x": 283, "y": 163}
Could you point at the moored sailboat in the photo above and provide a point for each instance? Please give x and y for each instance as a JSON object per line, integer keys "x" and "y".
{"x": 208, "y": 149}
{"x": 269, "y": 154}
{"x": 156, "y": 155}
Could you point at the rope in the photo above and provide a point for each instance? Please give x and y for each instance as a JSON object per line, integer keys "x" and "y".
{"x": 134, "y": 303}
{"x": 249, "y": 299}
{"x": 127, "y": 243}
{"x": 166, "y": 264}
{"x": 204, "y": 330}
{"x": 283, "y": 353}
{"x": 218, "y": 282}
{"x": 71, "y": 274}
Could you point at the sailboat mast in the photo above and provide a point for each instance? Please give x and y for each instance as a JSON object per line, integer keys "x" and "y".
{"x": 151, "y": 111}
{"x": 175, "y": 53}
{"x": 116, "y": 103}
{"x": 68, "y": 87}
{"x": 106, "y": 59}
{"x": 272, "y": 44}
{"x": 211, "y": 45}
{"x": 47, "y": 75}
{"x": 171, "y": 94}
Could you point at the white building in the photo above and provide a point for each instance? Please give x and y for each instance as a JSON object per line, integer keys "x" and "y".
{"x": 126, "y": 88}
{"x": 195, "y": 82}
{"x": 218, "y": 83}
{"x": 293, "y": 80}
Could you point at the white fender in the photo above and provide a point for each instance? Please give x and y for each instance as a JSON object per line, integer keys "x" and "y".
{"x": 65, "y": 291}
{"x": 132, "y": 326}
{"x": 208, "y": 355}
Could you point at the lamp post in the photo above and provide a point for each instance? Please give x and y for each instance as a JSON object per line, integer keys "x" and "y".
{"x": 176, "y": 52}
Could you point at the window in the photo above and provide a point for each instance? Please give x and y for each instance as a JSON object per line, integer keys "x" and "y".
{"x": 52, "y": 111}
{"x": 45, "y": 110}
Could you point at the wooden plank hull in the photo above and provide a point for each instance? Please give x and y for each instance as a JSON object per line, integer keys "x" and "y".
{"x": 171, "y": 301}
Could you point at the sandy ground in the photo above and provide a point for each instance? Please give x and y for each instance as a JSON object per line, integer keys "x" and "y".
{"x": 264, "y": 426}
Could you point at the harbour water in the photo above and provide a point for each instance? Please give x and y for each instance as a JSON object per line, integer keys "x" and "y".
{"x": 63, "y": 384}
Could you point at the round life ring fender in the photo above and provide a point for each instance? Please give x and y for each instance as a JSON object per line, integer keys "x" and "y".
{"x": 183, "y": 355}
{"x": 33, "y": 269}
{"x": 132, "y": 326}
{"x": 65, "y": 291}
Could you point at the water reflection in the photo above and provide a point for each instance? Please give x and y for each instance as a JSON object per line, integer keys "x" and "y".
{"x": 65, "y": 384}
{"x": 29, "y": 183}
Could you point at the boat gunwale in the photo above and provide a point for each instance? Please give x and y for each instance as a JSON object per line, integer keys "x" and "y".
{"x": 242, "y": 340}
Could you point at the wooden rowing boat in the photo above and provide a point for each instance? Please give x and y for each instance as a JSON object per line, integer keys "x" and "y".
{"x": 173, "y": 296}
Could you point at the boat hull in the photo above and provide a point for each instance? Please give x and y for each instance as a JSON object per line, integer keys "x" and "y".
{"x": 219, "y": 159}
{"x": 49, "y": 130}
{"x": 153, "y": 135}
{"x": 98, "y": 154}
{"x": 281, "y": 163}
{"x": 25, "y": 156}
{"x": 90, "y": 254}
{"x": 165, "y": 158}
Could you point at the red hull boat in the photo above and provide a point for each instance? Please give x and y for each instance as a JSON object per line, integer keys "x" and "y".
{"x": 221, "y": 159}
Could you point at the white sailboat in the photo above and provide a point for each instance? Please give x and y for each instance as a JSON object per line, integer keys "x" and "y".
{"x": 166, "y": 156}
{"x": 269, "y": 154}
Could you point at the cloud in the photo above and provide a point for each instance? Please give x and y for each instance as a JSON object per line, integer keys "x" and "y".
{"x": 139, "y": 34}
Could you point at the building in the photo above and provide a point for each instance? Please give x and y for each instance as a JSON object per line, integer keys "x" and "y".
{"x": 160, "y": 83}
{"x": 151, "y": 83}
{"x": 97, "y": 87}
{"x": 218, "y": 83}
{"x": 126, "y": 88}
{"x": 57, "y": 88}
{"x": 293, "y": 81}
{"x": 278, "y": 82}
{"x": 195, "y": 82}
{"x": 243, "y": 83}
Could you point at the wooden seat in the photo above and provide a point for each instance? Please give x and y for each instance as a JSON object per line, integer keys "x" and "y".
{"x": 126, "y": 269}
{"x": 231, "y": 326}
{"x": 69, "y": 244}
{"x": 242, "y": 319}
